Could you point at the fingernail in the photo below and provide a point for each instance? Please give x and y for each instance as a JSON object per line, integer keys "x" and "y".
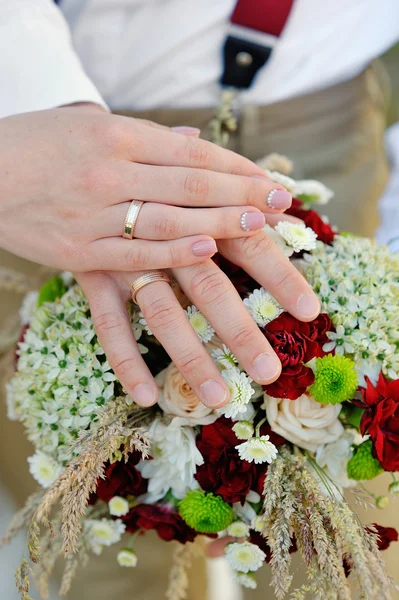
{"x": 184, "y": 130}
{"x": 250, "y": 221}
{"x": 204, "y": 248}
{"x": 213, "y": 393}
{"x": 279, "y": 199}
{"x": 266, "y": 368}
{"x": 308, "y": 306}
{"x": 144, "y": 394}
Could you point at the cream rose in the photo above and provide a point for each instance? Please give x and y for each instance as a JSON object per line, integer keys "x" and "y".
{"x": 177, "y": 399}
{"x": 304, "y": 421}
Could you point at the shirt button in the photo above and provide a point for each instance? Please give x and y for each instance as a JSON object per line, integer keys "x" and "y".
{"x": 244, "y": 59}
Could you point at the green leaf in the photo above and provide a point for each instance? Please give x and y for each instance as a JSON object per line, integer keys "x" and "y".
{"x": 53, "y": 288}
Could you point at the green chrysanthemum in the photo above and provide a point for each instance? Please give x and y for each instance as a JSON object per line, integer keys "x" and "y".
{"x": 205, "y": 513}
{"x": 363, "y": 466}
{"x": 335, "y": 379}
{"x": 53, "y": 288}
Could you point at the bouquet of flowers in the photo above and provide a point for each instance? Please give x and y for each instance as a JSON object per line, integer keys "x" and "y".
{"x": 268, "y": 470}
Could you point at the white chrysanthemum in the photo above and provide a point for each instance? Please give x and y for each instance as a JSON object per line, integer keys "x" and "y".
{"x": 244, "y": 430}
{"x": 247, "y": 580}
{"x": 297, "y": 235}
{"x": 278, "y": 240}
{"x": 284, "y": 180}
{"x": 103, "y": 532}
{"x": 238, "y": 529}
{"x": 118, "y": 506}
{"x": 312, "y": 192}
{"x": 262, "y": 307}
{"x": 44, "y": 469}
{"x": 28, "y": 306}
{"x": 258, "y": 523}
{"x": 224, "y": 358}
{"x": 200, "y": 324}
{"x": 244, "y": 557}
{"x": 175, "y": 458}
{"x": 257, "y": 450}
{"x": 241, "y": 392}
{"x": 127, "y": 558}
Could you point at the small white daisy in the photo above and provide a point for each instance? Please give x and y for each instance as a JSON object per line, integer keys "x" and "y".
{"x": 282, "y": 179}
{"x": 224, "y": 358}
{"x": 258, "y": 523}
{"x": 104, "y": 532}
{"x": 278, "y": 240}
{"x": 247, "y": 580}
{"x": 257, "y": 450}
{"x": 127, "y": 558}
{"x": 312, "y": 192}
{"x": 244, "y": 557}
{"x": 262, "y": 307}
{"x": 244, "y": 430}
{"x": 238, "y": 529}
{"x": 200, "y": 324}
{"x": 297, "y": 235}
{"x": 118, "y": 506}
{"x": 44, "y": 468}
{"x": 241, "y": 392}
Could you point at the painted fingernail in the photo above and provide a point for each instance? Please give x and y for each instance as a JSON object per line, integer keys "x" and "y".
{"x": 204, "y": 248}
{"x": 266, "y": 368}
{"x": 250, "y": 221}
{"x": 279, "y": 199}
{"x": 184, "y": 130}
{"x": 308, "y": 306}
{"x": 144, "y": 394}
{"x": 213, "y": 393}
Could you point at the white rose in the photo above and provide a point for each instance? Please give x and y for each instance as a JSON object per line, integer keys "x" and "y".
{"x": 304, "y": 421}
{"x": 177, "y": 399}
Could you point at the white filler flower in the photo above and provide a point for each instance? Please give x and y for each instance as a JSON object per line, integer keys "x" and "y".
{"x": 44, "y": 468}
{"x": 241, "y": 392}
{"x": 127, "y": 558}
{"x": 104, "y": 532}
{"x": 244, "y": 430}
{"x": 297, "y": 235}
{"x": 247, "y": 580}
{"x": 200, "y": 324}
{"x": 312, "y": 192}
{"x": 238, "y": 529}
{"x": 278, "y": 240}
{"x": 244, "y": 557}
{"x": 262, "y": 307}
{"x": 118, "y": 506}
{"x": 257, "y": 450}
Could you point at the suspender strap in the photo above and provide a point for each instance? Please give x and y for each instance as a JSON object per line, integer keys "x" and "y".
{"x": 255, "y": 28}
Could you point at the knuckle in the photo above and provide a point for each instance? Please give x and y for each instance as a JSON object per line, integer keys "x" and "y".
{"x": 190, "y": 363}
{"x": 196, "y": 187}
{"x": 136, "y": 257}
{"x": 97, "y": 179}
{"x": 209, "y": 286}
{"x": 160, "y": 314}
{"x": 199, "y": 155}
{"x": 254, "y": 247}
{"x": 108, "y": 321}
{"x": 167, "y": 229}
{"x": 114, "y": 134}
{"x": 243, "y": 337}
{"x": 124, "y": 365}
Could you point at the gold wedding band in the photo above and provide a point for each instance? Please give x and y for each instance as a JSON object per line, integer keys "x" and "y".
{"x": 143, "y": 280}
{"x": 131, "y": 219}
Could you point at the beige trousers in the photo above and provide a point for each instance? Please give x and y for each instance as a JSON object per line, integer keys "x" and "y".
{"x": 336, "y": 136}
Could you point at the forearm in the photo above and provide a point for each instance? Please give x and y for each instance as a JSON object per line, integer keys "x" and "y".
{"x": 39, "y": 68}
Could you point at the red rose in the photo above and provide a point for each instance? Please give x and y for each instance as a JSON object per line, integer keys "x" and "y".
{"x": 386, "y": 535}
{"x": 295, "y": 343}
{"x": 381, "y": 420}
{"x": 121, "y": 479}
{"x": 313, "y": 220}
{"x": 167, "y": 523}
{"x": 223, "y": 472}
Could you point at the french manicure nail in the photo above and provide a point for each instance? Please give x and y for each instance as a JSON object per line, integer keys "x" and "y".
{"x": 279, "y": 199}
{"x": 144, "y": 394}
{"x": 185, "y": 130}
{"x": 213, "y": 393}
{"x": 266, "y": 368}
{"x": 308, "y": 306}
{"x": 204, "y": 248}
{"x": 250, "y": 221}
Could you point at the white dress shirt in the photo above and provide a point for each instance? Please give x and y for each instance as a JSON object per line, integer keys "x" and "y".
{"x": 142, "y": 54}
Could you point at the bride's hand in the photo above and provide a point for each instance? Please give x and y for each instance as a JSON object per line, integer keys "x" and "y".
{"x": 67, "y": 176}
{"x": 214, "y": 295}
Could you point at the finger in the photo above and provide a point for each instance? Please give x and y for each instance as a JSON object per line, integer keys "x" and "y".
{"x": 181, "y": 129}
{"x": 214, "y": 295}
{"x": 216, "y": 548}
{"x": 168, "y": 322}
{"x": 163, "y": 222}
{"x": 114, "y": 331}
{"x": 263, "y": 261}
{"x": 118, "y": 254}
{"x": 190, "y": 187}
{"x": 273, "y": 220}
